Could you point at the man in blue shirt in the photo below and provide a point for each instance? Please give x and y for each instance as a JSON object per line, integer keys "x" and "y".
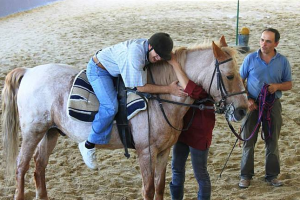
{"x": 264, "y": 66}
{"x": 129, "y": 59}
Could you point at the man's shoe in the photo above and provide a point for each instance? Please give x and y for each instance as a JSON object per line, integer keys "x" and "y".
{"x": 275, "y": 182}
{"x": 244, "y": 183}
{"x": 88, "y": 155}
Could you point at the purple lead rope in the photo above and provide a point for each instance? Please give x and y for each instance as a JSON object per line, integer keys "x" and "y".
{"x": 266, "y": 102}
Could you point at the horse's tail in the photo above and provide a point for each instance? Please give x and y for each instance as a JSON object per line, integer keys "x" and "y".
{"x": 10, "y": 117}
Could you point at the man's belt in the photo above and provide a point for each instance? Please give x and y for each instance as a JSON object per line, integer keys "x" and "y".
{"x": 97, "y": 62}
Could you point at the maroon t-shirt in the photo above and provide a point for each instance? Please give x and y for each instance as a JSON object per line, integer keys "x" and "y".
{"x": 199, "y": 135}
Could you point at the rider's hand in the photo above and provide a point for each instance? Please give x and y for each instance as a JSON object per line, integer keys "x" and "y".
{"x": 177, "y": 90}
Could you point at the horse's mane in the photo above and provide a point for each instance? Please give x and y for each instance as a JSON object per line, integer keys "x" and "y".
{"x": 163, "y": 73}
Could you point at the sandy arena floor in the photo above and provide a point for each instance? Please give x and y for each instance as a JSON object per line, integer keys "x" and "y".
{"x": 70, "y": 31}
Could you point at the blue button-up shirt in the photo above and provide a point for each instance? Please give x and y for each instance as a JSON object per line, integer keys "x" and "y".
{"x": 257, "y": 72}
{"x": 128, "y": 59}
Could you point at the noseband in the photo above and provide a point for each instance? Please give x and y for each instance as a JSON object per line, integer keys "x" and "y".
{"x": 221, "y": 106}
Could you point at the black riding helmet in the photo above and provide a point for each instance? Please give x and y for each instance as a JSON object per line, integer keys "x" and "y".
{"x": 162, "y": 45}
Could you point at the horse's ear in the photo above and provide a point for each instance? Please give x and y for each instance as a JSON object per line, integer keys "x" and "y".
{"x": 223, "y": 42}
{"x": 219, "y": 54}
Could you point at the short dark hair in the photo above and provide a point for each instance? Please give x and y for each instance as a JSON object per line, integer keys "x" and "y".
{"x": 277, "y": 34}
{"x": 162, "y": 43}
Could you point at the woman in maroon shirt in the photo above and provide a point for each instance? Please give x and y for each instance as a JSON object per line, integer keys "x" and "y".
{"x": 196, "y": 140}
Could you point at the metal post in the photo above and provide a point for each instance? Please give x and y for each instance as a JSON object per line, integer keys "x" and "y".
{"x": 237, "y": 23}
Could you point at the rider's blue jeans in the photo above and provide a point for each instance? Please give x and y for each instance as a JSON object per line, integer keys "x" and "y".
{"x": 199, "y": 162}
{"x": 102, "y": 83}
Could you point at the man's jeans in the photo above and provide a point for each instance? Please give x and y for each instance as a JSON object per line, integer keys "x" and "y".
{"x": 102, "y": 83}
{"x": 199, "y": 162}
{"x": 272, "y": 165}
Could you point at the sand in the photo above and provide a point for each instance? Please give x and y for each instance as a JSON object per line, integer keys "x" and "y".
{"x": 70, "y": 31}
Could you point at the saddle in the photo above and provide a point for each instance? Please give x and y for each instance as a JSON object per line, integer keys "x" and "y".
{"x": 83, "y": 105}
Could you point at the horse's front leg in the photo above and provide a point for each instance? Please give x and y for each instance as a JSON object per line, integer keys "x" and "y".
{"x": 160, "y": 174}
{"x": 147, "y": 167}
{"x": 41, "y": 159}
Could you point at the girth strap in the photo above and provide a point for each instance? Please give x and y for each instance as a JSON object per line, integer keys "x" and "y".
{"x": 121, "y": 117}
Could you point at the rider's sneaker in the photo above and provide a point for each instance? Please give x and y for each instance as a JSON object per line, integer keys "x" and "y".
{"x": 88, "y": 155}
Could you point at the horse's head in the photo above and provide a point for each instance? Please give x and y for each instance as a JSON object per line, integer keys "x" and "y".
{"x": 226, "y": 86}
{"x": 215, "y": 69}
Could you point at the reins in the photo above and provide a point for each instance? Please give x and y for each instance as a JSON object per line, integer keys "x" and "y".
{"x": 219, "y": 107}
{"x": 225, "y": 164}
{"x": 199, "y": 106}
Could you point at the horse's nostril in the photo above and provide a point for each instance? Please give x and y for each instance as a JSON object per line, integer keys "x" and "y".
{"x": 240, "y": 113}
{"x": 243, "y": 112}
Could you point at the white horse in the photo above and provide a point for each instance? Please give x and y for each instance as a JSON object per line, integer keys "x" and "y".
{"x": 35, "y": 100}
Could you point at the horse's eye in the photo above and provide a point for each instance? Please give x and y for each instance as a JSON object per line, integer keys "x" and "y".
{"x": 230, "y": 77}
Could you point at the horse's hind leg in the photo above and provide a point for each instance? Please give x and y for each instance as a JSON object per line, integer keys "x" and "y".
{"x": 29, "y": 143}
{"x": 41, "y": 159}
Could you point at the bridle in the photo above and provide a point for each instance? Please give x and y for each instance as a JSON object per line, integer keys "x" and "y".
{"x": 221, "y": 106}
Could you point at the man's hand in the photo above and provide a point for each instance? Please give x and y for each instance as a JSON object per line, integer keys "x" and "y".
{"x": 272, "y": 88}
{"x": 252, "y": 105}
{"x": 177, "y": 90}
